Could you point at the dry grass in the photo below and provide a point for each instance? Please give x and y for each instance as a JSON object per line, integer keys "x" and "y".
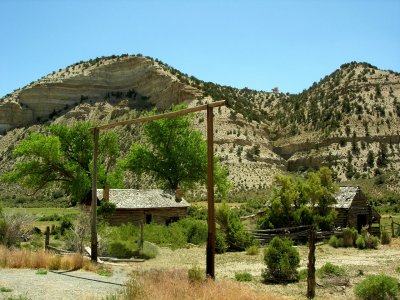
{"x": 174, "y": 284}
{"x": 16, "y": 258}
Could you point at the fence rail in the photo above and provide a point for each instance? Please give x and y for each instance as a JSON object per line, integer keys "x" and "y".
{"x": 299, "y": 233}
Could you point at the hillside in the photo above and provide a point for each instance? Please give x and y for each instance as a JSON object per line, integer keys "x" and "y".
{"x": 349, "y": 120}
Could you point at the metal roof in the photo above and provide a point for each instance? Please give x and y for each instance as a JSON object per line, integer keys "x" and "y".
{"x": 345, "y": 196}
{"x": 130, "y": 198}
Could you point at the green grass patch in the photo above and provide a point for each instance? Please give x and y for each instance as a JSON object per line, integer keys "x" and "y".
{"x": 5, "y": 289}
{"x": 239, "y": 276}
{"x": 41, "y": 272}
{"x": 104, "y": 271}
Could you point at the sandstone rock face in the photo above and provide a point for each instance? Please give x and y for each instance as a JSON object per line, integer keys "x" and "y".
{"x": 66, "y": 88}
{"x": 12, "y": 114}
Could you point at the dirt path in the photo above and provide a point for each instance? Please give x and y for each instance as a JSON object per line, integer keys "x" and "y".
{"x": 59, "y": 285}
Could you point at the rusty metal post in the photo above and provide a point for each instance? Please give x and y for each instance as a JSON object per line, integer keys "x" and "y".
{"x": 93, "y": 254}
{"x": 210, "y": 259}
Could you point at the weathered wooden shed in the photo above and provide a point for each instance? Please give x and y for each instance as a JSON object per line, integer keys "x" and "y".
{"x": 144, "y": 206}
{"x": 353, "y": 209}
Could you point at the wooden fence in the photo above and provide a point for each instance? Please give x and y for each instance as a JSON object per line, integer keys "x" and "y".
{"x": 298, "y": 233}
{"x": 393, "y": 228}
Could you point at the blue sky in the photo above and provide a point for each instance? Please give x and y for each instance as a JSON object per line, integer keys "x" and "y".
{"x": 255, "y": 44}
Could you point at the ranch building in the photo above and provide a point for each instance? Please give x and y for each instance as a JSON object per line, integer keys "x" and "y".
{"x": 144, "y": 206}
{"x": 353, "y": 210}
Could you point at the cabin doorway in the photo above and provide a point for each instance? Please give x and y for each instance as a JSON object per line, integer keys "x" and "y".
{"x": 361, "y": 222}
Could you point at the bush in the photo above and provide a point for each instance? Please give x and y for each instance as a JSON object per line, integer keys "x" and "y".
{"x": 13, "y": 227}
{"x": 350, "y": 236}
{"x": 372, "y": 242}
{"x": 196, "y": 230}
{"x": 385, "y": 238}
{"x": 220, "y": 243}
{"x": 329, "y": 270}
{"x": 333, "y": 241}
{"x": 195, "y": 274}
{"x": 106, "y": 209}
{"x": 149, "y": 251}
{"x": 282, "y": 261}
{"x": 377, "y": 287}
{"x": 236, "y": 237}
{"x": 119, "y": 249}
{"x": 360, "y": 243}
{"x": 252, "y": 250}
{"x": 243, "y": 276}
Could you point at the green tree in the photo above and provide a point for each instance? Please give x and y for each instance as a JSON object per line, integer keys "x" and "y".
{"x": 382, "y": 157}
{"x": 370, "y": 159}
{"x": 62, "y": 156}
{"x": 321, "y": 189}
{"x": 175, "y": 154}
{"x": 298, "y": 201}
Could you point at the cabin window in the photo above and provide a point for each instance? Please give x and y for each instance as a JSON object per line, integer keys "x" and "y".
{"x": 149, "y": 218}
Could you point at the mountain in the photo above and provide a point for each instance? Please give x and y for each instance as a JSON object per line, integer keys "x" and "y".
{"x": 348, "y": 121}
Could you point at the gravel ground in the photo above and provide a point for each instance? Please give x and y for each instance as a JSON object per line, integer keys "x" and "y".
{"x": 26, "y": 284}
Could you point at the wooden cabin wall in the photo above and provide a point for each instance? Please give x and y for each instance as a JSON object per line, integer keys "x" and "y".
{"x": 137, "y": 216}
{"x": 341, "y": 217}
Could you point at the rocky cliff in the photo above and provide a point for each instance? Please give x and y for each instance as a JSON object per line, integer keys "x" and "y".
{"x": 337, "y": 122}
{"x": 94, "y": 81}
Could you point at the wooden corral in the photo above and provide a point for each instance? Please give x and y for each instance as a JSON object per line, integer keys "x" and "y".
{"x": 144, "y": 206}
{"x": 353, "y": 209}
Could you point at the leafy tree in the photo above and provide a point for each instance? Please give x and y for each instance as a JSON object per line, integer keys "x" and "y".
{"x": 175, "y": 154}
{"x": 370, "y": 159}
{"x": 298, "y": 201}
{"x": 382, "y": 157}
{"x": 63, "y": 155}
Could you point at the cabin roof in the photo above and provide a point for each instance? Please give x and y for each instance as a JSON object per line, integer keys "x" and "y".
{"x": 345, "y": 196}
{"x": 131, "y": 198}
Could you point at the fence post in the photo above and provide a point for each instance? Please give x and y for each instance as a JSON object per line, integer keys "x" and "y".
{"x": 141, "y": 242}
{"x": 47, "y": 238}
{"x": 311, "y": 265}
{"x": 392, "y": 227}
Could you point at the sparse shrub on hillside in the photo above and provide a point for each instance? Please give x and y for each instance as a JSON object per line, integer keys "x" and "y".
{"x": 377, "y": 287}
{"x": 282, "y": 261}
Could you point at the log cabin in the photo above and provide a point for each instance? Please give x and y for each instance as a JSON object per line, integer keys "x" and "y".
{"x": 144, "y": 206}
{"x": 353, "y": 209}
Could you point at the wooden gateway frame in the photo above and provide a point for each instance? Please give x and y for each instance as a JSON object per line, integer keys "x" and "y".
{"x": 210, "y": 253}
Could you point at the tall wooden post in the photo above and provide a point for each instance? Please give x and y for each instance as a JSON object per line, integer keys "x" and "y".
{"x": 311, "y": 264}
{"x": 210, "y": 259}
{"x": 93, "y": 254}
{"x": 47, "y": 238}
